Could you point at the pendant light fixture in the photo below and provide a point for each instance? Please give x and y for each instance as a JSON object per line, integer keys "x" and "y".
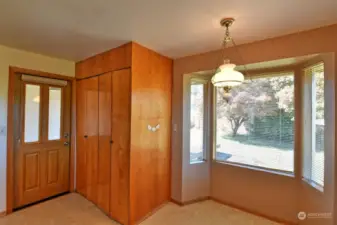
{"x": 226, "y": 76}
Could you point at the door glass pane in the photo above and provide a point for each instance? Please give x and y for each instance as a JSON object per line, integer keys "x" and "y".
{"x": 197, "y": 123}
{"x": 32, "y": 113}
{"x": 54, "y": 119}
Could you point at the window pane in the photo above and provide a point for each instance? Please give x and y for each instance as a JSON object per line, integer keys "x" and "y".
{"x": 32, "y": 113}
{"x": 197, "y": 123}
{"x": 255, "y": 123}
{"x": 318, "y": 128}
{"x": 54, "y": 119}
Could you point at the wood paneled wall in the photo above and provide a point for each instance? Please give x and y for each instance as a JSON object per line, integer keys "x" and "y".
{"x": 120, "y": 152}
{"x": 114, "y": 59}
{"x": 80, "y": 132}
{"x": 104, "y": 141}
{"x": 140, "y": 157}
{"x": 150, "y": 151}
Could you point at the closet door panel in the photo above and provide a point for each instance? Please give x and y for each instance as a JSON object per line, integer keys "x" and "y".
{"x": 120, "y": 153}
{"x": 91, "y": 136}
{"x": 104, "y": 139}
{"x": 81, "y": 183}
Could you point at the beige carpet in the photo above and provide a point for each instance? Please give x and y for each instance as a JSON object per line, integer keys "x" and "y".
{"x": 73, "y": 209}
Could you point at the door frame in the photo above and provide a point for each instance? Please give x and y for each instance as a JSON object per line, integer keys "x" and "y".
{"x": 13, "y": 71}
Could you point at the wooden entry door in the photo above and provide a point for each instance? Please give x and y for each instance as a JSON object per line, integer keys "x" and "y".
{"x": 42, "y": 149}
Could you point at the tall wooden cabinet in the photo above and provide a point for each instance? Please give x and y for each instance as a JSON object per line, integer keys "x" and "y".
{"x": 104, "y": 141}
{"x": 123, "y": 131}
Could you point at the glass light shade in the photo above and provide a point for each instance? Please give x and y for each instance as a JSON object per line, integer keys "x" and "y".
{"x": 227, "y": 76}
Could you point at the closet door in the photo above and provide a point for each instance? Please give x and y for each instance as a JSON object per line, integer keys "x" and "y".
{"x": 88, "y": 141}
{"x": 104, "y": 142}
{"x": 120, "y": 152}
{"x": 81, "y": 181}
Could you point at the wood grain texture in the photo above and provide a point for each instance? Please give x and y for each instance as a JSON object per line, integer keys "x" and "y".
{"x": 12, "y": 116}
{"x": 150, "y": 151}
{"x": 42, "y": 167}
{"x": 104, "y": 145}
{"x": 87, "y": 138}
{"x": 120, "y": 157}
{"x": 91, "y": 142}
{"x": 114, "y": 59}
{"x": 73, "y": 137}
{"x": 81, "y": 178}
{"x": 52, "y": 166}
{"x": 31, "y": 174}
{"x": 140, "y": 163}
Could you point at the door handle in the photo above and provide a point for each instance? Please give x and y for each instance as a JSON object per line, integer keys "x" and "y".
{"x": 66, "y": 143}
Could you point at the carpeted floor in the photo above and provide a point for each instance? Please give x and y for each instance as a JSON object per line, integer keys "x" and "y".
{"x": 73, "y": 209}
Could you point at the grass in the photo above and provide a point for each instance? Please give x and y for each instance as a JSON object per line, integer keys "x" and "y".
{"x": 248, "y": 140}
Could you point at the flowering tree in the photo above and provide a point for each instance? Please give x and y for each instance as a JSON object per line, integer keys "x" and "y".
{"x": 256, "y": 98}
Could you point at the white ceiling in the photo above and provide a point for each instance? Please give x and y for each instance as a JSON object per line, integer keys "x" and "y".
{"x": 77, "y": 29}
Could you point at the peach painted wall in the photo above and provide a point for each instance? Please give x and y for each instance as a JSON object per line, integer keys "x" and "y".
{"x": 264, "y": 193}
{"x": 272, "y": 195}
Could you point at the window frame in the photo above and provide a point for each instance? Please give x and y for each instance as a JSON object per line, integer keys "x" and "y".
{"x": 308, "y": 74}
{"x": 23, "y": 114}
{"x": 205, "y": 81}
{"x": 61, "y": 111}
{"x": 291, "y": 174}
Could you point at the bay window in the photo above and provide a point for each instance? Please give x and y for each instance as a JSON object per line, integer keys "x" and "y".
{"x": 254, "y": 123}
{"x": 198, "y": 114}
{"x": 314, "y": 125}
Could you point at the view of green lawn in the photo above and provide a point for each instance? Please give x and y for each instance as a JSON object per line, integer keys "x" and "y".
{"x": 252, "y": 154}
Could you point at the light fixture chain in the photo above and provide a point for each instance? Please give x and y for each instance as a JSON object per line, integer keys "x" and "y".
{"x": 228, "y": 37}
{"x": 226, "y": 40}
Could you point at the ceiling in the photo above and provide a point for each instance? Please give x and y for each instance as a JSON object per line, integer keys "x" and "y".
{"x": 77, "y": 29}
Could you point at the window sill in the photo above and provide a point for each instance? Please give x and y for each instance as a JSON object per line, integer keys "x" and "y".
{"x": 314, "y": 185}
{"x": 256, "y": 168}
{"x": 197, "y": 162}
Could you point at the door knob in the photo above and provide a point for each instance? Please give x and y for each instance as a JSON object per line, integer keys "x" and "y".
{"x": 66, "y": 143}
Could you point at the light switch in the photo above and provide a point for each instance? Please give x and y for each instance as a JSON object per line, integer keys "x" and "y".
{"x": 175, "y": 127}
